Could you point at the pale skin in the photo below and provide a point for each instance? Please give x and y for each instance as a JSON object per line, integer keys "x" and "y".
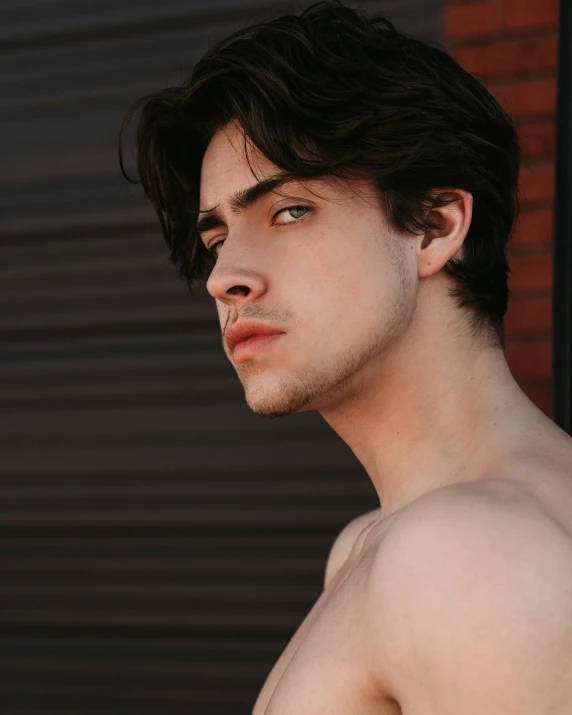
{"x": 455, "y": 596}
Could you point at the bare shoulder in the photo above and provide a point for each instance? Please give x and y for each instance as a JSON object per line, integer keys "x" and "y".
{"x": 345, "y": 541}
{"x": 491, "y": 515}
{"x": 475, "y": 575}
{"x": 461, "y": 548}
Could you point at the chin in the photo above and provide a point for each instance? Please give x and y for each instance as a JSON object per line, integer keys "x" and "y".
{"x": 278, "y": 401}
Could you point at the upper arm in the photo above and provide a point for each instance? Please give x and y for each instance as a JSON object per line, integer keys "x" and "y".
{"x": 470, "y": 610}
{"x": 344, "y": 542}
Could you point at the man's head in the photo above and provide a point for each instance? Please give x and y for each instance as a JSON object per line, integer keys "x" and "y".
{"x": 401, "y": 164}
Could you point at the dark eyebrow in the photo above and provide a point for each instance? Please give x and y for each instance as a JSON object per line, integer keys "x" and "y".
{"x": 242, "y": 200}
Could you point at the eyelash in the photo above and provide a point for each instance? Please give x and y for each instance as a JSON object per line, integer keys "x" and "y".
{"x": 211, "y": 248}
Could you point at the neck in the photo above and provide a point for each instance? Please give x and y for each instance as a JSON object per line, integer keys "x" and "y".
{"x": 437, "y": 411}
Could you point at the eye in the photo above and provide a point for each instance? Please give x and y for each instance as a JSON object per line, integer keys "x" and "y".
{"x": 306, "y": 209}
{"x": 211, "y": 249}
{"x": 293, "y": 208}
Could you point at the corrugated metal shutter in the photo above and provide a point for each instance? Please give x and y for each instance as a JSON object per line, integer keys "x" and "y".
{"x": 159, "y": 543}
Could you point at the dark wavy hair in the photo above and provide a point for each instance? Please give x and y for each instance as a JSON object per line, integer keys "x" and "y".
{"x": 332, "y": 92}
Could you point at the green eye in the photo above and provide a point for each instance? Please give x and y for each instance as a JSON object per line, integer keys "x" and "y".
{"x": 307, "y": 210}
{"x": 293, "y": 208}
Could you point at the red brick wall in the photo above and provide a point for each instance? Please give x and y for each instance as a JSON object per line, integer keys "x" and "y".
{"x": 511, "y": 46}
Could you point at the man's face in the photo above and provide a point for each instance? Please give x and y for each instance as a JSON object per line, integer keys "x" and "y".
{"x": 333, "y": 276}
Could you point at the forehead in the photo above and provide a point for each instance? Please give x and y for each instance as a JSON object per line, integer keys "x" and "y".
{"x": 225, "y": 167}
{"x": 225, "y": 170}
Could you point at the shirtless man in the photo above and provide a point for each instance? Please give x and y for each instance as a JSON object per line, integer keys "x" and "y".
{"x": 455, "y": 596}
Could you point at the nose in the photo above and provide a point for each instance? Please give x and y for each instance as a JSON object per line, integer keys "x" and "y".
{"x": 233, "y": 283}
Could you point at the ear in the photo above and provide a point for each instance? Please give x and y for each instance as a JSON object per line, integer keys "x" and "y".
{"x": 438, "y": 245}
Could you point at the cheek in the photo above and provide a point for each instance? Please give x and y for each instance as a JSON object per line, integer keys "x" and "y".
{"x": 341, "y": 293}
{"x": 345, "y": 275}
{"x": 368, "y": 292}
{"x": 359, "y": 275}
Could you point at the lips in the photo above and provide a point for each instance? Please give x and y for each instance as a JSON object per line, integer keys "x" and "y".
{"x": 243, "y": 330}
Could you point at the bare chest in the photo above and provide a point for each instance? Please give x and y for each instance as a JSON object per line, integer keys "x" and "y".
{"x": 324, "y": 667}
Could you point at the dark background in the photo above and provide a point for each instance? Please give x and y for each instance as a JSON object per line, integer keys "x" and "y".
{"x": 159, "y": 543}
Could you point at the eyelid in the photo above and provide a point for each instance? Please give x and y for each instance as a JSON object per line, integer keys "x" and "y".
{"x": 278, "y": 211}
{"x": 287, "y": 206}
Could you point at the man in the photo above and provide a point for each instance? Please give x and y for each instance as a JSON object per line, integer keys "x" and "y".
{"x": 347, "y": 193}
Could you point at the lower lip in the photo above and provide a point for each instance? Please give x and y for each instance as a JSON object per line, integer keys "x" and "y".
{"x": 247, "y": 348}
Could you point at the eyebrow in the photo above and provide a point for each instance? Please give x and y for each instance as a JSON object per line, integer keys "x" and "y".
{"x": 241, "y": 200}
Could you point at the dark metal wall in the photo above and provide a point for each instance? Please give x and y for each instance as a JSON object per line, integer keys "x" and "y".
{"x": 159, "y": 543}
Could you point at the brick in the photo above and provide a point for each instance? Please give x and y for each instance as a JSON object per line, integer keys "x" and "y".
{"x": 529, "y": 315}
{"x": 530, "y": 273}
{"x": 537, "y": 139}
{"x": 536, "y": 184}
{"x": 527, "y": 98}
{"x": 473, "y": 19}
{"x": 533, "y": 228}
{"x": 529, "y": 359}
{"x": 529, "y": 14}
{"x": 509, "y": 58}
{"x": 540, "y": 394}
